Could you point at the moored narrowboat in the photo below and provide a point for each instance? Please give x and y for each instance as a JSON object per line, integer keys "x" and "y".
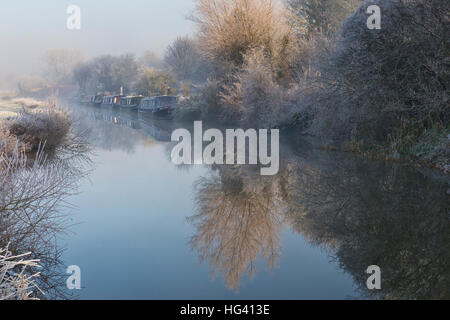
{"x": 98, "y": 99}
{"x": 111, "y": 101}
{"x": 130, "y": 102}
{"x": 161, "y": 105}
{"x": 87, "y": 100}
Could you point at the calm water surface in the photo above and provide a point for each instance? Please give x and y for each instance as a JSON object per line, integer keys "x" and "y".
{"x": 147, "y": 229}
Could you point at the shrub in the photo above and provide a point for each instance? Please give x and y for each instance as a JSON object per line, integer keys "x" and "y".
{"x": 48, "y": 125}
{"x": 254, "y": 97}
{"x": 184, "y": 59}
{"x": 390, "y": 84}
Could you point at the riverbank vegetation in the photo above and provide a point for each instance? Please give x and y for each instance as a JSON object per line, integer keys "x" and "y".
{"x": 313, "y": 67}
{"x": 38, "y": 152}
{"x": 11, "y": 104}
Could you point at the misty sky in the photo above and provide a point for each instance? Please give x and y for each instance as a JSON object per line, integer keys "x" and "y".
{"x": 29, "y": 28}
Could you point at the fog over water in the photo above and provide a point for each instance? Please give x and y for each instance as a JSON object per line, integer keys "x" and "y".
{"x": 148, "y": 229}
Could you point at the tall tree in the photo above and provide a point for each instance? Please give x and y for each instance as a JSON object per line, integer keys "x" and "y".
{"x": 82, "y": 74}
{"x": 59, "y": 65}
{"x": 110, "y": 73}
{"x": 228, "y": 30}
{"x": 153, "y": 82}
{"x": 150, "y": 60}
{"x": 183, "y": 58}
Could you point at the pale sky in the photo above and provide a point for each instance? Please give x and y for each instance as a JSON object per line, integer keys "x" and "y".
{"x": 28, "y": 28}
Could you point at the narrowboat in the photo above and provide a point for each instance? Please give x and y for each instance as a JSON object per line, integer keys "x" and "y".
{"x": 111, "y": 101}
{"x": 161, "y": 105}
{"x": 87, "y": 100}
{"x": 98, "y": 99}
{"x": 130, "y": 102}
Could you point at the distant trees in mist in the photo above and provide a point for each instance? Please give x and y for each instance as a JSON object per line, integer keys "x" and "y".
{"x": 59, "y": 65}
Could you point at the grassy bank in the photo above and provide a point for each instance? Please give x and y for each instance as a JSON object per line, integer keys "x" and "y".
{"x": 11, "y": 105}
{"x": 431, "y": 149}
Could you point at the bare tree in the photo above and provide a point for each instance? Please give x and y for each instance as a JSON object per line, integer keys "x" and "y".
{"x": 229, "y": 29}
{"x": 59, "y": 65}
{"x": 150, "y": 60}
{"x": 184, "y": 58}
{"x": 82, "y": 73}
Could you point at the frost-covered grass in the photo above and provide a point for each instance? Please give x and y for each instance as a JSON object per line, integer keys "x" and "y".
{"x": 15, "y": 282}
{"x": 11, "y": 105}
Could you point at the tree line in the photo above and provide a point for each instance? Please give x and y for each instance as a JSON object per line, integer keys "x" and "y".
{"x": 308, "y": 65}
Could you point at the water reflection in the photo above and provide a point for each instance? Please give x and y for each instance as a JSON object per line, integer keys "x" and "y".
{"x": 372, "y": 213}
{"x": 240, "y": 218}
{"x": 158, "y": 129}
{"x": 362, "y": 213}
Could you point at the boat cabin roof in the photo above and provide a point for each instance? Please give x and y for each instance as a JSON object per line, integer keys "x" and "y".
{"x": 159, "y": 98}
{"x": 131, "y": 97}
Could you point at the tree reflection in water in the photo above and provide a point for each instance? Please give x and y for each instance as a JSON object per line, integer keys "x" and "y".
{"x": 363, "y": 213}
{"x": 239, "y": 219}
{"x": 372, "y": 213}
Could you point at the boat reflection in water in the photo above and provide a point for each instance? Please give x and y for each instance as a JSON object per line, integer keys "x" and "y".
{"x": 158, "y": 129}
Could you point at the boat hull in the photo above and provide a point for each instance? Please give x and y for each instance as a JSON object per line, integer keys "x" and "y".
{"x": 164, "y": 111}
{"x": 129, "y": 107}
